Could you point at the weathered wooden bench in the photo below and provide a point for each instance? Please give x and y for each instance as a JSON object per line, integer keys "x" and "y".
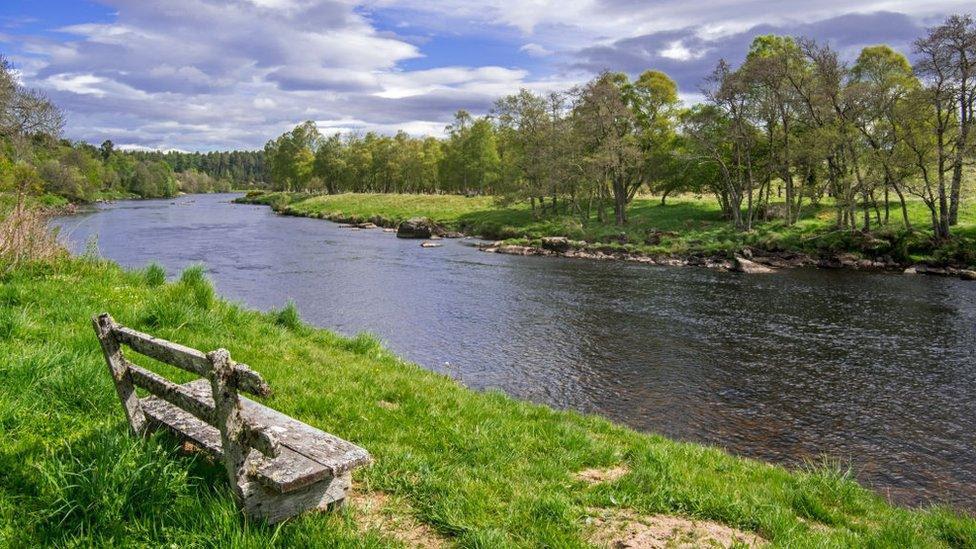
{"x": 278, "y": 466}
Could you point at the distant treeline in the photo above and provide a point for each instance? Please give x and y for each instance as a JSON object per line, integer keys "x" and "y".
{"x": 34, "y": 160}
{"x": 792, "y": 125}
{"x": 243, "y": 169}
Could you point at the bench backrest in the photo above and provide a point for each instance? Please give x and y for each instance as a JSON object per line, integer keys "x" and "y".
{"x": 226, "y": 378}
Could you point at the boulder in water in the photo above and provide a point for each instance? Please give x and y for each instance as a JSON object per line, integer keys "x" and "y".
{"x": 415, "y": 227}
{"x": 743, "y": 265}
{"x": 556, "y": 243}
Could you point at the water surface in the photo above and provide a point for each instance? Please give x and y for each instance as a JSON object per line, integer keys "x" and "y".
{"x": 877, "y": 371}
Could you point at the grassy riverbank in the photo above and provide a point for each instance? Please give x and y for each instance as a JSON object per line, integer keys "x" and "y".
{"x": 451, "y": 465}
{"x": 686, "y": 225}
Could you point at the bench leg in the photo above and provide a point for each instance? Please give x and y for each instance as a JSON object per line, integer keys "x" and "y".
{"x": 268, "y": 505}
{"x": 119, "y": 369}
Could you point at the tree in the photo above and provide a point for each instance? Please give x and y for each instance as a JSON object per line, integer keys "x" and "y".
{"x": 947, "y": 64}
{"x": 25, "y": 112}
{"x": 654, "y": 99}
{"x": 611, "y": 149}
{"x": 329, "y": 163}
{"x": 776, "y": 69}
{"x": 881, "y": 81}
{"x": 107, "y": 149}
{"x": 291, "y": 157}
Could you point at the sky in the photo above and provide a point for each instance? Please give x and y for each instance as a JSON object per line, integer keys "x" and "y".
{"x": 230, "y": 74}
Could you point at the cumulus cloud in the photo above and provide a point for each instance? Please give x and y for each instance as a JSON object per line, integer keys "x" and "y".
{"x": 535, "y": 50}
{"x": 689, "y": 55}
{"x": 202, "y": 74}
{"x": 209, "y": 74}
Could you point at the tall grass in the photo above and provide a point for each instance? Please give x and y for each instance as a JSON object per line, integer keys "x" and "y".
{"x": 25, "y": 236}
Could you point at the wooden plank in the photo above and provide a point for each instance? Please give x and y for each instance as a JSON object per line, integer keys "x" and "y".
{"x": 185, "y": 426}
{"x": 171, "y": 353}
{"x": 338, "y": 455}
{"x": 332, "y": 454}
{"x": 175, "y": 394}
{"x": 271, "y": 506}
{"x": 189, "y": 359}
{"x": 200, "y": 405}
{"x": 228, "y": 418}
{"x": 289, "y": 471}
{"x": 105, "y": 330}
{"x": 250, "y": 381}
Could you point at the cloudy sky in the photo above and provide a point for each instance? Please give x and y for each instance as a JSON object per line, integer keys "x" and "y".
{"x": 226, "y": 74}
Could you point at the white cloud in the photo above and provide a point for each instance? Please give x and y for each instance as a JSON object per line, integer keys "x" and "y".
{"x": 536, "y": 50}
{"x": 676, "y": 50}
{"x": 196, "y": 74}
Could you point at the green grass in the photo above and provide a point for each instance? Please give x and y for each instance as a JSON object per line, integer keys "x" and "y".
{"x": 480, "y": 469}
{"x": 685, "y": 225}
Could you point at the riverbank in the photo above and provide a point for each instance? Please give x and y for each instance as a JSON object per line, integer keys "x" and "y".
{"x": 687, "y": 231}
{"x": 452, "y": 466}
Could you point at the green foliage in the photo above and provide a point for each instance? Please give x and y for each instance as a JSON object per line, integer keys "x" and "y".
{"x": 193, "y": 181}
{"x": 240, "y": 169}
{"x": 82, "y": 492}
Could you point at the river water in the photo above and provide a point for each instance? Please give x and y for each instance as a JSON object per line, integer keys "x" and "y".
{"x": 875, "y": 371}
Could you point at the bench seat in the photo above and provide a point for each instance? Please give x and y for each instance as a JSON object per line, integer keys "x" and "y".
{"x": 307, "y": 455}
{"x": 278, "y": 467}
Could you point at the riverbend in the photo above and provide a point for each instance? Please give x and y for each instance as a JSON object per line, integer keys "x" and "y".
{"x": 873, "y": 371}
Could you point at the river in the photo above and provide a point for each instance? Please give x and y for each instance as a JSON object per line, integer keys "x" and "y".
{"x": 874, "y": 371}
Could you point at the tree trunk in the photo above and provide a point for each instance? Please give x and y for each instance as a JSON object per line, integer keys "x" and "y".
{"x": 904, "y": 206}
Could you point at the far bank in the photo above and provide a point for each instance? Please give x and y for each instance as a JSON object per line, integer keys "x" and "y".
{"x": 685, "y": 230}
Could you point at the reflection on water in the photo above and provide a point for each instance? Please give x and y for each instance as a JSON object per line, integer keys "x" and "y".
{"x": 877, "y": 371}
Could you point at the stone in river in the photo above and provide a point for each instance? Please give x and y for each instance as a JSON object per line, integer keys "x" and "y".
{"x": 556, "y": 243}
{"x": 743, "y": 265}
{"x": 416, "y": 227}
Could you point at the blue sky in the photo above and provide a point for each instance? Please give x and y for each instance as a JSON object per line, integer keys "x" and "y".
{"x": 213, "y": 75}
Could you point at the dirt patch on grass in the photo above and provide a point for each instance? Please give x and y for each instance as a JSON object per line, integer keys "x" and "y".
{"x": 387, "y": 405}
{"x": 393, "y": 518}
{"x": 625, "y": 529}
{"x": 595, "y": 476}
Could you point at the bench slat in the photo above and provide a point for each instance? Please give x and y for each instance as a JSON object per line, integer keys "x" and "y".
{"x": 306, "y": 454}
{"x": 162, "y": 350}
{"x": 287, "y": 472}
{"x": 198, "y": 405}
{"x": 171, "y": 392}
{"x": 184, "y": 425}
{"x": 339, "y": 455}
{"x": 189, "y": 359}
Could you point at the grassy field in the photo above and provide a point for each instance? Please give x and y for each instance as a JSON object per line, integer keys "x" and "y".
{"x": 452, "y": 466}
{"x": 685, "y": 225}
